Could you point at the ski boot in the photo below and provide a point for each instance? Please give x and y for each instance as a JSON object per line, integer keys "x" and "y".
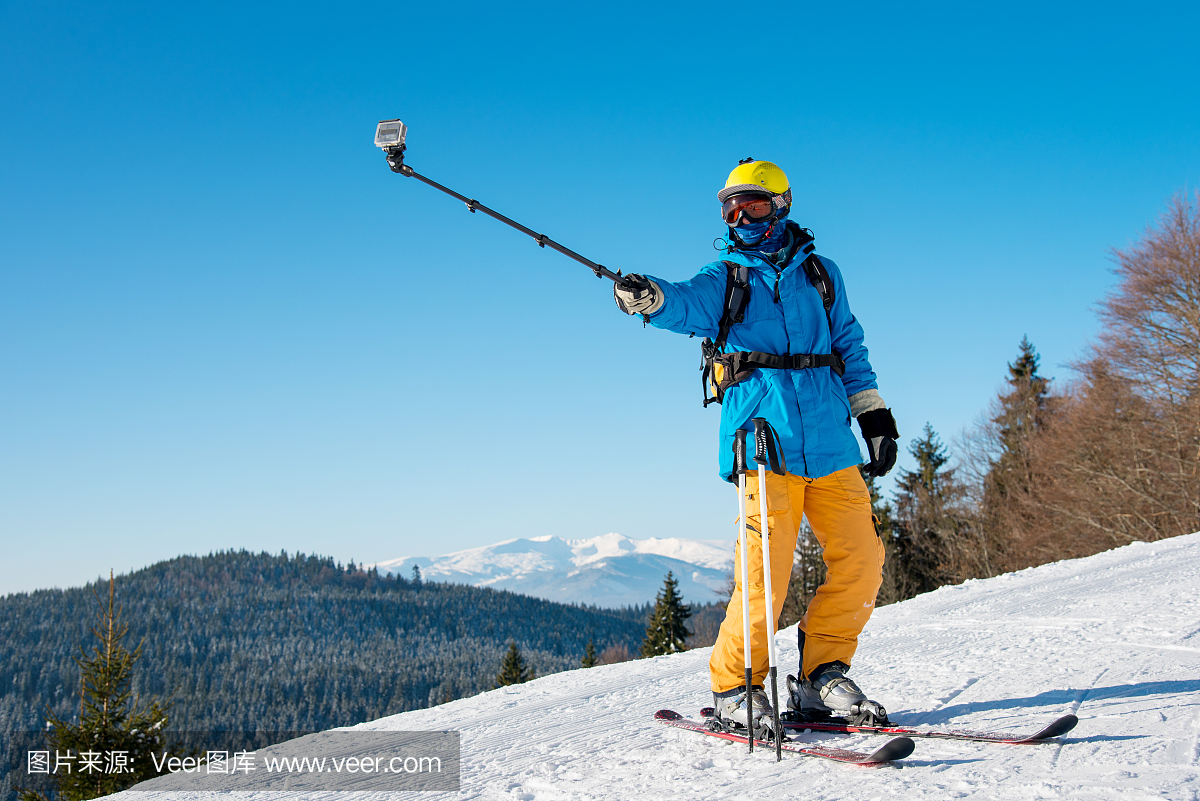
{"x": 729, "y": 712}
{"x": 828, "y": 694}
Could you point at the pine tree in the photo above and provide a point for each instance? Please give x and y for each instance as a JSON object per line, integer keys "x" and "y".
{"x": 416, "y": 575}
{"x": 512, "y": 668}
{"x": 113, "y": 734}
{"x": 1016, "y": 420}
{"x": 589, "y": 655}
{"x": 667, "y": 633}
{"x": 935, "y": 536}
{"x": 1022, "y": 414}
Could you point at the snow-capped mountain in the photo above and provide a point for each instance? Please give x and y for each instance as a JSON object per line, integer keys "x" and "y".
{"x": 1113, "y": 638}
{"x": 609, "y": 571}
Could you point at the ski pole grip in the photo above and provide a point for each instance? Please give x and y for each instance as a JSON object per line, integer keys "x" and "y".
{"x": 739, "y": 451}
{"x": 766, "y": 447}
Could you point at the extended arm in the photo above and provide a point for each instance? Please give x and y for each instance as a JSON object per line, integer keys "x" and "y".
{"x": 685, "y": 307}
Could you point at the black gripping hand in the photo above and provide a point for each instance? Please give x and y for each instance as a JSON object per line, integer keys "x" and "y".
{"x": 638, "y": 295}
{"x": 879, "y": 432}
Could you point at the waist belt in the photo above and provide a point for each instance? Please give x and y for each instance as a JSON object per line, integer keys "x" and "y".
{"x": 720, "y": 371}
{"x": 751, "y": 360}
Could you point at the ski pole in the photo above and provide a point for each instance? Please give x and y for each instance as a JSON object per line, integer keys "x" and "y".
{"x": 763, "y": 453}
{"x": 390, "y": 135}
{"x": 739, "y": 466}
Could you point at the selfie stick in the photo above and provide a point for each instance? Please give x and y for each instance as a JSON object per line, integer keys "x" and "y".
{"x": 390, "y": 134}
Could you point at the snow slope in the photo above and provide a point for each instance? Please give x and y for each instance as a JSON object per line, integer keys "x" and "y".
{"x": 609, "y": 571}
{"x": 1114, "y": 638}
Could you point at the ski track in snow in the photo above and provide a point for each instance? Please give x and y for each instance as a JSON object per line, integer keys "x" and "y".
{"x": 1112, "y": 638}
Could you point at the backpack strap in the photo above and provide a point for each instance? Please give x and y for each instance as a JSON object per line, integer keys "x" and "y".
{"x": 818, "y": 276}
{"x": 737, "y": 298}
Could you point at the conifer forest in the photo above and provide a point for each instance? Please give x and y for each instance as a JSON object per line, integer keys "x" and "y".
{"x": 235, "y": 641}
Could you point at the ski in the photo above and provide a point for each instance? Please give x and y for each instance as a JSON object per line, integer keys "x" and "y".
{"x": 898, "y": 748}
{"x": 1053, "y": 729}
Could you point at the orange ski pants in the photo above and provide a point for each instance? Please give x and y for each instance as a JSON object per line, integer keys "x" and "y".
{"x": 838, "y": 508}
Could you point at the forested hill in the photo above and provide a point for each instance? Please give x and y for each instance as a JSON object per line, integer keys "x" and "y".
{"x": 254, "y": 642}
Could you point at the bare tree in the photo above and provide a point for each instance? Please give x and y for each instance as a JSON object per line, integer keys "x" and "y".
{"x": 1121, "y": 460}
{"x": 1151, "y": 345}
{"x": 1152, "y": 319}
{"x": 613, "y": 654}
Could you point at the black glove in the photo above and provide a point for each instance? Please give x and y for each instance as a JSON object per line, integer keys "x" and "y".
{"x": 879, "y": 432}
{"x": 640, "y": 296}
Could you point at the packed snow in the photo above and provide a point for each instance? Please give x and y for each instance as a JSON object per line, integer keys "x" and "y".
{"x": 1113, "y": 638}
{"x": 608, "y": 571}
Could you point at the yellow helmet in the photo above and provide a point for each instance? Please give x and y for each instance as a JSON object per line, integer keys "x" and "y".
{"x": 757, "y": 176}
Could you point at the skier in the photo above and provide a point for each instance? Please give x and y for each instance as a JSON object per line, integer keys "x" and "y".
{"x": 797, "y": 309}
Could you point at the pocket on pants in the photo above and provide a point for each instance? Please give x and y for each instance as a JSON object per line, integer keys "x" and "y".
{"x": 851, "y": 482}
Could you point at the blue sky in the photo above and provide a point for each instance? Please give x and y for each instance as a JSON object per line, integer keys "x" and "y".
{"x": 224, "y": 323}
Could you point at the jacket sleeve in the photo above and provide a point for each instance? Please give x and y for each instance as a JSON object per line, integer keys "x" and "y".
{"x": 694, "y": 306}
{"x": 848, "y": 336}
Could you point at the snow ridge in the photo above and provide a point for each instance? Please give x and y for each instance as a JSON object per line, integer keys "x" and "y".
{"x": 610, "y": 570}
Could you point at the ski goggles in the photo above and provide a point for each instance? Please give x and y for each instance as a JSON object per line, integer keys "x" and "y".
{"x": 746, "y": 208}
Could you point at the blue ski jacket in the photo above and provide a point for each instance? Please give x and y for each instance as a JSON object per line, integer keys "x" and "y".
{"x": 808, "y": 408}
